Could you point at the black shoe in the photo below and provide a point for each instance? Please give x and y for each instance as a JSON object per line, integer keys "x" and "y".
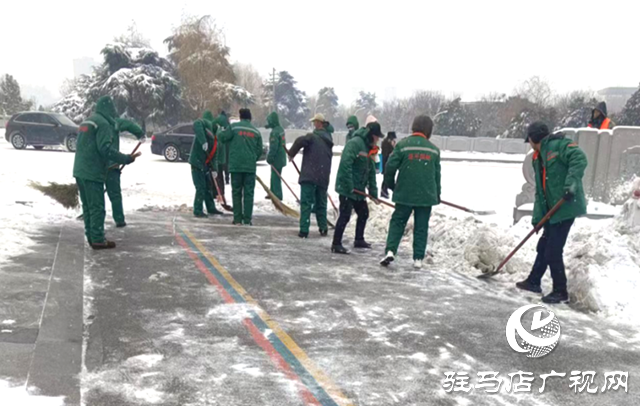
{"x": 361, "y": 244}
{"x": 526, "y": 285}
{"x": 200, "y": 215}
{"x": 556, "y": 297}
{"x": 387, "y": 259}
{"x": 103, "y": 245}
{"x": 324, "y": 233}
{"x": 303, "y": 235}
{"x": 121, "y": 225}
{"x": 339, "y": 249}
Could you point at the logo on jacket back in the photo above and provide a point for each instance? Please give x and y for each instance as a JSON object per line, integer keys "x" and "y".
{"x": 542, "y": 336}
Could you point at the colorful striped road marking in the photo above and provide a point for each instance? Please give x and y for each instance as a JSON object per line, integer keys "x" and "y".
{"x": 318, "y": 389}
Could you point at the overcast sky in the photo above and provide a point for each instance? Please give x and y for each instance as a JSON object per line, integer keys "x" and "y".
{"x": 390, "y": 47}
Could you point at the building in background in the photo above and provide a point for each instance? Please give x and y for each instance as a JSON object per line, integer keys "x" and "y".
{"x": 83, "y": 66}
{"x": 616, "y": 97}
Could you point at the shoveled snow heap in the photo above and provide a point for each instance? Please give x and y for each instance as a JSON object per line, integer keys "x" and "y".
{"x": 602, "y": 256}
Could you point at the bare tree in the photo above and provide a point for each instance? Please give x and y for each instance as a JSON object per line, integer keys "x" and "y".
{"x": 536, "y": 90}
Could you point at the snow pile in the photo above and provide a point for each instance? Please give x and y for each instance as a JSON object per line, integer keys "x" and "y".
{"x": 602, "y": 256}
{"x": 18, "y": 395}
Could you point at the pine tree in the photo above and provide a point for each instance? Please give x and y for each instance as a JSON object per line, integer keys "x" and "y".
{"x": 630, "y": 114}
{"x": 457, "y": 119}
{"x": 327, "y": 103}
{"x": 576, "y": 112}
{"x": 291, "y": 102}
{"x": 141, "y": 83}
{"x": 73, "y": 104}
{"x": 11, "y": 101}
{"x": 366, "y": 103}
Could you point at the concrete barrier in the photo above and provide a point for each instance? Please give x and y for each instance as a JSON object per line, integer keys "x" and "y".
{"x": 513, "y": 146}
{"x": 463, "y": 144}
{"x": 489, "y": 145}
{"x": 589, "y": 141}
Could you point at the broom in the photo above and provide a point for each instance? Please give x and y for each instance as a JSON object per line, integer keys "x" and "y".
{"x": 281, "y": 207}
{"x": 65, "y": 194}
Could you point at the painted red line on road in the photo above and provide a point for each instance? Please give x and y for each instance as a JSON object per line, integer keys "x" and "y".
{"x": 280, "y": 362}
{"x": 258, "y": 337}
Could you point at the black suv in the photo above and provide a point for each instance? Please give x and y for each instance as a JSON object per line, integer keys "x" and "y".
{"x": 175, "y": 143}
{"x": 40, "y": 129}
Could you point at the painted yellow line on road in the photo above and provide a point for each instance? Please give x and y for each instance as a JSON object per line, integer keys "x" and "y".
{"x": 323, "y": 380}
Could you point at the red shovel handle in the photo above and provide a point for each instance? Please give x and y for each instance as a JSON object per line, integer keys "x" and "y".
{"x": 532, "y": 232}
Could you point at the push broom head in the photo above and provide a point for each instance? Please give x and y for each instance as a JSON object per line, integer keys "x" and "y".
{"x": 65, "y": 194}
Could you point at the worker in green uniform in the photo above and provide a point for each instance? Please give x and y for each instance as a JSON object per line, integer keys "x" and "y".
{"x": 95, "y": 151}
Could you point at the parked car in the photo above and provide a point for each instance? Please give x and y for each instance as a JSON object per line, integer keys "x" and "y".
{"x": 39, "y": 129}
{"x": 175, "y": 143}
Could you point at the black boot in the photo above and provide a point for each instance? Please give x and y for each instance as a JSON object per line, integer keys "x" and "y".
{"x": 324, "y": 233}
{"x": 121, "y": 225}
{"x": 528, "y": 286}
{"x": 103, "y": 245}
{"x": 200, "y": 215}
{"x": 339, "y": 249}
{"x": 215, "y": 212}
{"x": 361, "y": 244}
{"x": 556, "y": 298}
{"x": 303, "y": 235}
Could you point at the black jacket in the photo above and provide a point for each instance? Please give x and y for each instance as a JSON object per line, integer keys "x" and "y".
{"x": 317, "y": 156}
{"x": 387, "y": 149}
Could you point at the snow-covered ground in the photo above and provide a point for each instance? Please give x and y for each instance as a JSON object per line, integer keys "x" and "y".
{"x": 603, "y": 256}
{"x": 19, "y": 395}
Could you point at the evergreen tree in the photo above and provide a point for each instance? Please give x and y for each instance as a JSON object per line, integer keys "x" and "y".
{"x": 457, "y": 119}
{"x": 366, "y": 103}
{"x": 11, "y": 101}
{"x": 327, "y": 103}
{"x": 630, "y": 114}
{"x": 291, "y": 103}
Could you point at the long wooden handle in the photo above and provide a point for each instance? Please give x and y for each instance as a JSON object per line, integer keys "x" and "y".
{"x": 285, "y": 182}
{"x": 457, "y": 207}
{"x": 373, "y": 198}
{"x": 114, "y": 166}
{"x": 298, "y": 169}
{"x": 532, "y": 232}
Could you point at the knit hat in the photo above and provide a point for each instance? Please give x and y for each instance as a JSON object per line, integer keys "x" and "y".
{"x": 245, "y": 114}
{"x": 423, "y": 125}
{"x": 392, "y": 135}
{"x": 370, "y": 119}
{"x": 536, "y": 132}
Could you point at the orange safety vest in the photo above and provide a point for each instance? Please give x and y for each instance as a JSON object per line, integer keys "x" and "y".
{"x": 604, "y": 125}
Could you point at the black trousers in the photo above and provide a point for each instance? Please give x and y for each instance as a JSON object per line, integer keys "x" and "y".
{"x": 346, "y": 207}
{"x": 550, "y": 249}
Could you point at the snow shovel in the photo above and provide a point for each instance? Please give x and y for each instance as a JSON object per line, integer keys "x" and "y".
{"x": 537, "y": 228}
{"x": 476, "y": 212}
{"x": 335, "y": 209}
{"x": 281, "y": 207}
{"x": 221, "y": 198}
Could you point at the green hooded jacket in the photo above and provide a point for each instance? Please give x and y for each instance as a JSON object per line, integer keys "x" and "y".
{"x": 559, "y": 167}
{"x": 417, "y": 162}
{"x": 277, "y": 143}
{"x": 95, "y": 149}
{"x": 245, "y": 146}
{"x": 357, "y": 169}
{"x": 353, "y": 120}
{"x": 221, "y": 154}
{"x": 204, "y": 130}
